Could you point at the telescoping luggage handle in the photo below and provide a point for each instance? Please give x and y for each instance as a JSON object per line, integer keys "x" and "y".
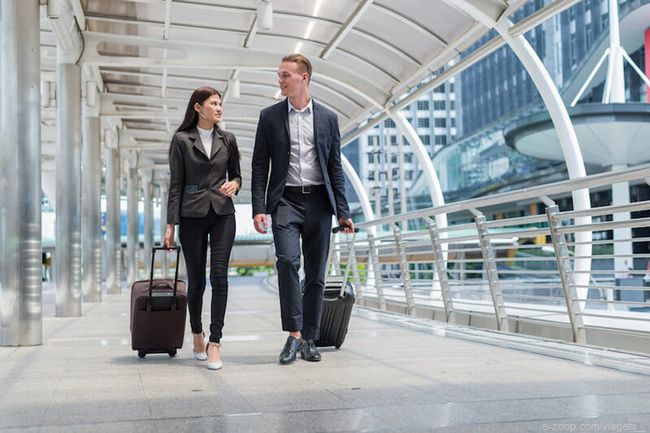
{"x": 336, "y": 230}
{"x": 153, "y": 257}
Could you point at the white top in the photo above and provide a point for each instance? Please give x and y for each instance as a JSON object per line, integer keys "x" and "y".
{"x": 303, "y": 159}
{"x": 206, "y": 139}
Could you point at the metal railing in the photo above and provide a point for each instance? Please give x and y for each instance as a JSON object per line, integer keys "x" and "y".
{"x": 513, "y": 274}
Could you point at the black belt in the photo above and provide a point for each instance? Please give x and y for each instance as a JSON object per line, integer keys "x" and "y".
{"x": 305, "y": 189}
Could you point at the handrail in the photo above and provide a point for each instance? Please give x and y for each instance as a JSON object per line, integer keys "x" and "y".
{"x": 486, "y": 268}
{"x": 591, "y": 181}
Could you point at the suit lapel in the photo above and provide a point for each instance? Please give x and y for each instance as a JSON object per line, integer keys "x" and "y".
{"x": 196, "y": 140}
{"x": 317, "y": 128}
{"x": 285, "y": 120}
{"x": 218, "y": 141}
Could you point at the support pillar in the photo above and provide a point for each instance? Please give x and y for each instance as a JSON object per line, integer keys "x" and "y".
{"x": 147, "y": 187}
{"x": 21, "y": 316}
{"x": 132, "y": 241}
{"x": 67, "y": 256}
{"x": 647, "y": 61}
{"x": 113, "y": 225}
{"x": 91, "y": 234}
{"x": 163, "y": 190}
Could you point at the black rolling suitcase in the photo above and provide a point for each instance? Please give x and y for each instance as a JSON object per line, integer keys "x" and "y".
{"x": 338, "y": 300}
{"x": 158, "y": 312}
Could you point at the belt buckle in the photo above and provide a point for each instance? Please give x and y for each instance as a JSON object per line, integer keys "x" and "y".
{"x": 305, "y": 189}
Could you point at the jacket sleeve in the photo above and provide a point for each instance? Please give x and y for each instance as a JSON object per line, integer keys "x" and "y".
{"x": 260, "y": 168}
{"x": 234, "y": 167}
{"x": 335, "y": 171}
{"x": 176, "y": 181}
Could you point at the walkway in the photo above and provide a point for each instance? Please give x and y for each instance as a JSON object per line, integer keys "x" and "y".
{"x": 386, "y": 378}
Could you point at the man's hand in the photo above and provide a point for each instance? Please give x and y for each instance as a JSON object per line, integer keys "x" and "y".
{"x": 261, "y": 223}
{"x": 346, "y": 224}
{"x": 168, "y": 241}
{"x": 229, "y": 189}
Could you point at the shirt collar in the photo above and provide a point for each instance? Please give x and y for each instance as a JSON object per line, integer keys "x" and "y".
{"x": 308, "y": 109}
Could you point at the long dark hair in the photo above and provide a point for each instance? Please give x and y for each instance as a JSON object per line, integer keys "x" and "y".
{"x": 191, "y": 118}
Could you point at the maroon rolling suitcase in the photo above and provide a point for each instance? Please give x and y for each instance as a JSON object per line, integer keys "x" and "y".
{"x": 338, "y": 300}
{"x": 158, "y": 312}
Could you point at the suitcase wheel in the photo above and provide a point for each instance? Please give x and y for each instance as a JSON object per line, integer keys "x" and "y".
{"x": 172, "y": 353}
{"x": 141, "y": 353}
{"x": 338, "y": 347}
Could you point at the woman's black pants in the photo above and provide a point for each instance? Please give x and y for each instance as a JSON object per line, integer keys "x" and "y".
{"x": 194, "y": 234}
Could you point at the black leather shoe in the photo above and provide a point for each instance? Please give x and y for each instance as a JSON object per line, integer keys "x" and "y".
{"x": 291, "y": 347}
{"x": 309, "y": 351}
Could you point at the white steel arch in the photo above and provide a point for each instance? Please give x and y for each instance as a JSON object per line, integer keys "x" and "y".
{"x": 563, "y": 127}
{"x": 358, "y": 187}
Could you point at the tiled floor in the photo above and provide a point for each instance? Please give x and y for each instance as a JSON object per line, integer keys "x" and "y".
{"x": 386, "y": 378}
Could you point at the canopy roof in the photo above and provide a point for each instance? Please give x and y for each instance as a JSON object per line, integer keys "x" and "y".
{"x": 146, "y": 57}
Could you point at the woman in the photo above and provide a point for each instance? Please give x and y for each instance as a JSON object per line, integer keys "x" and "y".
{"x": 205, "y": 174}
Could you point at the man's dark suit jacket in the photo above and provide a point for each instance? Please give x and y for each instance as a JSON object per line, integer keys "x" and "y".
{"x": 273, "y": 145}
{"x": 196, "y": 178}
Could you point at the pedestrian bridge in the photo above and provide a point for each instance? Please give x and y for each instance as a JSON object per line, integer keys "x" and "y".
{"x": 393, "y": 374}
{"x": 469, "y": 317}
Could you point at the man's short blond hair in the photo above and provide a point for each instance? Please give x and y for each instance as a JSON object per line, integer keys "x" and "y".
{"x": 304, "y": 65}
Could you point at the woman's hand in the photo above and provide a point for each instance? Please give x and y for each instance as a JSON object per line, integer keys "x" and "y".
{"x": 229, "y": 189}
{"x": 168, "y": 241}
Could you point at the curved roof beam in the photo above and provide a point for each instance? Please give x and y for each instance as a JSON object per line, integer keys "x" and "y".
{"x": 224, "y": 57}
{"x": 372, "y": 38}
{"x": 303, "y": 17}
{"x": 217, "y": 80}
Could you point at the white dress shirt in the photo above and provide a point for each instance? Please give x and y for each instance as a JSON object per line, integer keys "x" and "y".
{"x": 304, "y": 168}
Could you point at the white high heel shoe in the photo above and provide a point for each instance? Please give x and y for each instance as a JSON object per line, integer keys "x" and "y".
{"x": 200, "y": 356}
{"x": 217, "y": 365}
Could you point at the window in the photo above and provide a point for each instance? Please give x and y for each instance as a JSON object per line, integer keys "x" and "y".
{"x": 426, "y": 139}
{"x": 572, "y": 13}
{"x": 441, "y": 139}
{"x": 453, "y": 122}
{"x": 423, "y": 105}
{"x": 441, "y": 122}
{"x": 371, "y": 175}
{"x": 408, "y": 158}
{"x": 393, "y": 139}
{"x": 438, "y": 105}
{"x": 388, "y": 123}
{"x": 423, "y": 122}
{"x": 573, "y": 50}
{"x": 604, "y": 20}
{"x": 408, "y": 175}
{"x": 373, "y": 140}
{"x": 371, "y": 158}
{"x": 439, "y": 89}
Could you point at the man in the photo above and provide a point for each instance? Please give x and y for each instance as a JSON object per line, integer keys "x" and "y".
{"x": 301, "y": 140}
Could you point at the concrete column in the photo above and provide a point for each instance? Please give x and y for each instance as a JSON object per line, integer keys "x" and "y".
{"x": 147, "y": 187}
{"x": 67, "y": 256}
{"x": 647, "y": 61}
{"x": 91, "y": 234}
{"x": 163, "y": 190}
{"x": 402, "y": 187}
{"x": 113, "y": 226}
{"x": 132, "y": 241}
{"x": 623, "y": 259}
{"x": 20, "y": 175}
